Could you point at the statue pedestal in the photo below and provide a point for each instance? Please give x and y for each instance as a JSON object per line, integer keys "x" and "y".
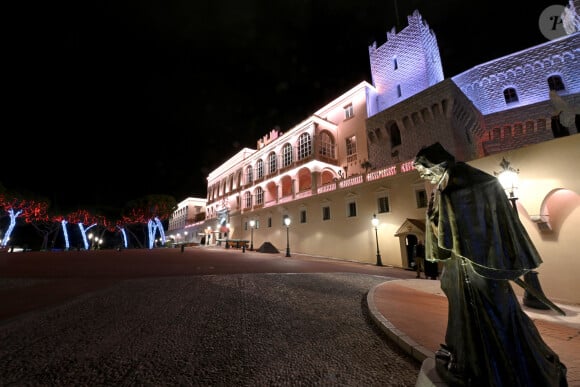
{"x": 428, "y": 376}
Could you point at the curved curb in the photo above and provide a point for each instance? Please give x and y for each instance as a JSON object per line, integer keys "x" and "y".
{"x": 399, "y": 337}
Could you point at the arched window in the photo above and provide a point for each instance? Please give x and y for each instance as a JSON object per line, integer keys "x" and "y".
{"x": 249, "y": 175}
{"x": 247, "y": 200}
{"x": 286, "y": 155}
{"x": 555, "y": 83}
{"x": 394, "y": 134}
{"x": 272, "y": 165}
{"x": 326, "y": 145}
{"x": 259, "y": 169}
{"x": 259, "y": 196}
{"x": 304, "y": 146}
{"x": 510, "y": 95}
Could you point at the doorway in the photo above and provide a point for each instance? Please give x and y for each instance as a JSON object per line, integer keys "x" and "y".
{"x": 410, "y": 242}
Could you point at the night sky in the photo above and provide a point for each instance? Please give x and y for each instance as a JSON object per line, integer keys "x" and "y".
{"x": 108, "y": 101}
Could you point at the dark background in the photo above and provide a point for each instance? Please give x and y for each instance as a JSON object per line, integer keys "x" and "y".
{"x": 112, "y": 100}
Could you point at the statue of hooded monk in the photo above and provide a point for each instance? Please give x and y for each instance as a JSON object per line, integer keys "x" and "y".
{"x": 472, "y": 228}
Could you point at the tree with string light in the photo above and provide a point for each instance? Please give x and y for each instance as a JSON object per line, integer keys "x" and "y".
{"x": 16, "y": 207}
{"x": 150, "y": 210}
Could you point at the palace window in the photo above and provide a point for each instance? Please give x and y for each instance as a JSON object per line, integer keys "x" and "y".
{"x": 383, "y": 204}
{"x": 555, "y": 83}
{"x": 247, "y": 200}
{"x": 304, "y": 146}
{"x": 259, "y": 196}
{"x": 272, "y": 165}
{"x": 326, "y": 145}
{"x": 421, "y": 198}
{"x": 260, "y": 168}
{"x": 510, "y": 95}
{"x": 326, "y": 213}
{"x": 394, "y": 134}
{"x": 249, "y": 175}
{"x": 302, "y": 216}
{"x": 351, "y": 149}
{"x": 348, "y": 111}
{"x": 351, "y": 209}
{"x": 287, "y": 155}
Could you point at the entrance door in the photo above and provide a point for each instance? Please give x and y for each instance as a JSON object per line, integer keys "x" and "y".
{"x": 410, "y": 242}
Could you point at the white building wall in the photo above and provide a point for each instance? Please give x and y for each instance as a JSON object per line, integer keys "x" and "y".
{"x": 545, "y": 176}
{"x": 549, "y": 186}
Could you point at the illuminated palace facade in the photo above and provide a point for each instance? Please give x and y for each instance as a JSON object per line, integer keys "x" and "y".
{"x": 352, "y": 159}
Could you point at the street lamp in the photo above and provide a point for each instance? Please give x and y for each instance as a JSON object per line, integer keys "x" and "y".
{"x": 508, "y": 178}
{"x": 375, "y": 223}
{"x": 287, "y": 223}
{"x": 96, "y": 243}
{"x": 252, "y": 224}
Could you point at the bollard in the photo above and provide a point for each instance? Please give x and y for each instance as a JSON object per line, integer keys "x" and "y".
{"x": 244, "y": 248}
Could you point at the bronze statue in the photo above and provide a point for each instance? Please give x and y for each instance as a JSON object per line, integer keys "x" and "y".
{"x": 472, "y": 228}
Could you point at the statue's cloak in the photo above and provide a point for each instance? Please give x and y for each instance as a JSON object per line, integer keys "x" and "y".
{"x": 476, "y": 220}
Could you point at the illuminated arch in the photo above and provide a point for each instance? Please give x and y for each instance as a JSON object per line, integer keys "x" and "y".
{"x": 304, "y": 177}
{"x": 556, "y": 206}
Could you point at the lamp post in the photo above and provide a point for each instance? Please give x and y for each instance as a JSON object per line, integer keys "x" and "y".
{"x": 287, "y": 222}
{"x": 252, "y": 224}
{"x": 375, "y": 223}
{"x": 95, "y": 242}
{"x": 508, "y": 178}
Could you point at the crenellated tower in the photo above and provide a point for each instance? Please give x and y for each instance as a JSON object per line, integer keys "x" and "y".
{"x": 406, "y": 64}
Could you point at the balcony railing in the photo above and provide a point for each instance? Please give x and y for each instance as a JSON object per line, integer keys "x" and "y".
{"x": 351, "y": 181}
{"x": 303, "y": 194}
